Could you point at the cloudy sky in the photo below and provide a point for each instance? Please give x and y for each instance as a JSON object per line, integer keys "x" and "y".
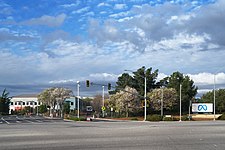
{"x": 53, "y": 41}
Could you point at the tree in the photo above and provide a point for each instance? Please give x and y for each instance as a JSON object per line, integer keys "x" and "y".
{"x": 125, "y": 101}
{"x": 220, "y": 99}
{"x": 53, "y": 97}
{"x": 138, "y": 80}
{"x": 4, "y": 102}
{"x": 124, "y": 80}
{"x": 188, "y": 89}
{"x": 42, "y": 109}
{"x": 61, "y": 94}
{"x": 169, "y": 98}
{"x": 66, "y": 107}
{"x": 97, "y": 103}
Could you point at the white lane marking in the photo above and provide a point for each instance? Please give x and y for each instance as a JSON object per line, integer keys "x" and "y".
{"x": 5, "y": 120}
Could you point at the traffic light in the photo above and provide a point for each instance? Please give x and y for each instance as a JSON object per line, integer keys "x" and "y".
{"x": 87, "y": 83}
{"x": 109, "y": 86}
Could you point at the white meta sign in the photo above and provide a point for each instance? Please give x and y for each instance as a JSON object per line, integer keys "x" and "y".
{"x": 202, "y": 107}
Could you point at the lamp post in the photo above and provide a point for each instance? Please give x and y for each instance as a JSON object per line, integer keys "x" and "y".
{"x": 37, "y": 108}
{"x": 180, "y": 102}
{"x": 162, "y": 103}
{"x": 214, "y": 93}
{"x": 145, "y": 98}
{"x": 145, "y": 95}
{"x": 78, "y": 101}
{"x": 103, "y": 102}
{"x": 214, "y": 98}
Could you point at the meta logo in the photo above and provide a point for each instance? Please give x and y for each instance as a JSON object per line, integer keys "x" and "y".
{"x": 202, "y": 108}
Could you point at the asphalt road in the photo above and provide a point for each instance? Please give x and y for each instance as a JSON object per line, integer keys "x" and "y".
{"x": 14, "y": 119}
{"x": 128, "y": 135}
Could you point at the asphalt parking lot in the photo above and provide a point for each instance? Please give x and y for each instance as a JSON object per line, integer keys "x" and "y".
{"x": 132, "y": 135}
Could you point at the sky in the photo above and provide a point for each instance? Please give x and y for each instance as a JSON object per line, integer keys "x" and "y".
{"x": 53, "y": 41}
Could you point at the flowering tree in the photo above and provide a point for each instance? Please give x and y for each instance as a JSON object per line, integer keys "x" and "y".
{"x": 125, "y": 101}
{"x": 168, "y": 95}
{"x": 53, "y": 97}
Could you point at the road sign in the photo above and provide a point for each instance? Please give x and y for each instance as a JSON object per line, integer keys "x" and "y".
{"x": 89, "y": 108}
{"x": 103, "y": 108}
{"x": 202, "y": 107}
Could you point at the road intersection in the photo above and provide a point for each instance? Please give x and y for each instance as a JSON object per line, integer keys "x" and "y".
{"x": 45, "y": 133}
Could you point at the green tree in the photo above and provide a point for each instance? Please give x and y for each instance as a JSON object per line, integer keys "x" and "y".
{"x": 42, "y": 109}
{"x": 188, "y": 89}
{"x": 220, "y": 99}
{"x": 124, "y": 80}
{"x": 137, "y": 81}
{"x": 4, "y": 102}
{"x": 66, "y": 107}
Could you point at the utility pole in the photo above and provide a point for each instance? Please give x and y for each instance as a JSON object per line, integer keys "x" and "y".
{"x": 103, "y": 101}
{"x": 180, "y": 102}
{"x": 162, "y": 103}
{"x": 78, "y": 97}
{"x": 214, "y": 98}
{"x": 145, "y": 99}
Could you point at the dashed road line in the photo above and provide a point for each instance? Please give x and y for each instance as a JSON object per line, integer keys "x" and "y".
{"x": 5, "y": 120}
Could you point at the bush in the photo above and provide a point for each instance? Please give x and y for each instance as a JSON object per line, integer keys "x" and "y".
{"x": 134, "y": 119}
{"x": 154, "y": 118}
{"x": 222, "y": 117}
{"x": 184, "y": 118}
{"x": 75, "y": 118}
{"x": 167, "y": 119}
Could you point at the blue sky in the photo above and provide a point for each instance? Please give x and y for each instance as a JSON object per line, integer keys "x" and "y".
{"x": 49, "y": 41}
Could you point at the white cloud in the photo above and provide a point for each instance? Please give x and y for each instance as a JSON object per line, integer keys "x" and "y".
{"x": 103, "y": 4}
{"x": 62, "y": 81}
{"x": 82, "y": 10}
{"x": 103, "y": 77}
{"x": 208, "y": 78}
{"x": 121, "y": 14}
{"x": 182, "y": 40}
{"x": 120, "y": 6}
{"x": 46, "y": 20}
{"x": 71, "y": 5}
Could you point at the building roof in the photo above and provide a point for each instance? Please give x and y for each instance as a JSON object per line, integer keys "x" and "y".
{"x": 26, "y": 96}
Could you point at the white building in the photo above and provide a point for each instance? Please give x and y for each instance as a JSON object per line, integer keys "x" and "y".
{"x": 21, "y": 101}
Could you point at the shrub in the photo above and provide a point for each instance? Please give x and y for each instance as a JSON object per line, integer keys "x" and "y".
{"x": 134, "y": 119}
{"x": 167, "y": 119}
{"x": 184, "y": 118}
{"x": 75, "y": 118}
{"x": 222, "y": 117}
{"x": 154, "y": 118}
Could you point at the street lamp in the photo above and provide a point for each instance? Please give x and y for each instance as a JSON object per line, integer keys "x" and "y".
{"x": 214, "y": 98}
{"x": 214, "y": 93}
{"x": 162, "y": 103}
{"x": 103, "y": 101}
{"x": 145, "y": 95}
{"x": 180, "y": 102}
{"x": 78, "y": 101}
